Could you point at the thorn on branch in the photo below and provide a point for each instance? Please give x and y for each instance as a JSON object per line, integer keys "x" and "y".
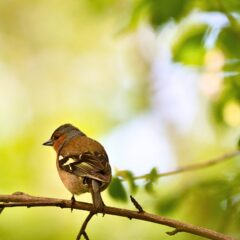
{"x": 73, "y": 200}
{"x": 175, "y": 231}
{"x": 136, "y": 204}
{"x": 1, "y": 209}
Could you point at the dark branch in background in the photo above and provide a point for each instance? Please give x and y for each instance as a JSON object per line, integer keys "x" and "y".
{"x": 196, "y": 166}
{"x": 25, "y": 200}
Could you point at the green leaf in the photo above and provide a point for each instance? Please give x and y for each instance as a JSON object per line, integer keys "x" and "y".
{"x": 116, "y": 190}
{"x": 229, "y": 94}
{"x": 153, "y": 175}
{"x": 158, "y": 11}
{"x": 228, "y": 41}
{"x": 151, "y": 178}
{"x": 149, "y": 187}
{"x": 129, "y": 177}
{"x": 189, "y": 47}
{"x": 161, "y": 11}
{"x": 218, "y": 5}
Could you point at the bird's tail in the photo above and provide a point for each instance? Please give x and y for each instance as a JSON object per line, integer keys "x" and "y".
{"x": 96, "y": 196}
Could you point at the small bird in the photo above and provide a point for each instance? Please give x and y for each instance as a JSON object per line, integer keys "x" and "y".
{"x": 82, "y": 163}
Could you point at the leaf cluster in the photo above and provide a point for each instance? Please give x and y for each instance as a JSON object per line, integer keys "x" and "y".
{"x": 118, "y": 190}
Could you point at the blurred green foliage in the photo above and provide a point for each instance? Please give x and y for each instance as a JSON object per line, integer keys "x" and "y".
{"x": 161, "y": 11}
{"x": 128, "y": 176}
{"x": 229, "y": 95}
{"x": 189, "y": 48}
{"x": 228, "y": 42}
{"x": 62, "y": 61}
{"x": 116, "y": 190}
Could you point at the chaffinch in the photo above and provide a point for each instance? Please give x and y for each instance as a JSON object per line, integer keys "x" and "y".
{"x": 82, "y": 163}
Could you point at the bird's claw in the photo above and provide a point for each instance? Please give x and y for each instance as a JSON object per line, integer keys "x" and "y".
{"x": 98, "y": 209}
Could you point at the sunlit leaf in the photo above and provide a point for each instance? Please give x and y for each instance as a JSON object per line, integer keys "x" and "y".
{"x": 139, "y": 10}
{"x": 230, "y": 93}
{"x": 189, "y": 47}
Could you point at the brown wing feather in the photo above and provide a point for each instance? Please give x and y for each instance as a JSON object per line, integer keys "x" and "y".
{"x": 90, "y": 159}
{"x": 91, "y": 165}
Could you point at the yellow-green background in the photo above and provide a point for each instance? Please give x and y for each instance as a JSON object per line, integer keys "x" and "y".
{"x": 77, "y": 61}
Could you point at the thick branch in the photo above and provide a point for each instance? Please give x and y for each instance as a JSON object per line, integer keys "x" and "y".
{"x": 24, "y": 200}
{"x": 196, "y": 166}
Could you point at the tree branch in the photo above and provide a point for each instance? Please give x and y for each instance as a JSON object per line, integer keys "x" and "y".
{"x": 24, "y": 200}
{"x": 196, "y": 166}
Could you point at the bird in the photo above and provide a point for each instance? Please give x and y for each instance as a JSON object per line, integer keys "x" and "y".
{"x": 82, "y": 163}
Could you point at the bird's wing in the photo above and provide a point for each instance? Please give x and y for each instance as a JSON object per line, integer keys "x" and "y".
{"x": 92, "y": 165}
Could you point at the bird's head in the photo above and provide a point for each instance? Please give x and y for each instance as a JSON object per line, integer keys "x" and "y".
{"x": 62, "y": 134}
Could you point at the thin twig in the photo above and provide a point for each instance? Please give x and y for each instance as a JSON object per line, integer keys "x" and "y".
{"x": 196, "y": 166}
{"x": 25, "y": 200}
{"x": 82, "y": 231}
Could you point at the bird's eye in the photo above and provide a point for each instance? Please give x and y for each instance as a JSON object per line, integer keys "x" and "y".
{"x": 55, "y": 137}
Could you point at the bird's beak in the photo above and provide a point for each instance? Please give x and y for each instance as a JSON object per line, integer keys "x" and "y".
{"x": 48, "y": 143}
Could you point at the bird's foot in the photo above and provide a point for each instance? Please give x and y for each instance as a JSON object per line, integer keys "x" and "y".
{"x": 99, "y": 209}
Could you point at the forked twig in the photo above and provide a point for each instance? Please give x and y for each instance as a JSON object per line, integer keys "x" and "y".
{"x": 82, "y": 231}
